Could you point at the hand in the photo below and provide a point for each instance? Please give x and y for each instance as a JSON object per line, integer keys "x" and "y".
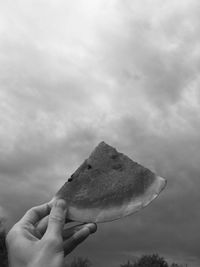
{"x": 39, "y": 240}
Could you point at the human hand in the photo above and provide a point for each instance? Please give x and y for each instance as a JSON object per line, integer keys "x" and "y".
{"x": 31, "y": 243}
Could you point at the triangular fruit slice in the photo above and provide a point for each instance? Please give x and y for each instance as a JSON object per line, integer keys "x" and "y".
{"x": 107, "y": 186}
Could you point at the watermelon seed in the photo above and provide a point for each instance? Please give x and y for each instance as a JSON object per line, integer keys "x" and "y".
{"x": 70, "y": 179}
{"x": 118, "y": 166}
{"x": 115, "y": 156}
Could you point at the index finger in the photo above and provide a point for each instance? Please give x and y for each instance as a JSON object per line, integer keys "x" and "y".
{"x": 35, "y": 214}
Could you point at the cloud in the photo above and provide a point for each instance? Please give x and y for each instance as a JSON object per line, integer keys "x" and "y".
{"x": 73, "y": 74}
{"x": 2, "y": 212}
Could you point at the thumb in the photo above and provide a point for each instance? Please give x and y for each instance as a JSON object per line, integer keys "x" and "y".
{"x": 57, "y": 218}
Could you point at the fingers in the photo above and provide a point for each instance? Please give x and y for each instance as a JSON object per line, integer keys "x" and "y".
{"x": 53, "y": 224}
{"x": 42, "y": 224}
{"x": 67, "y": 233}
{"x": 57, "y": 218}
{"x": 76, "y": 235}
{"x": 35, "y": 214}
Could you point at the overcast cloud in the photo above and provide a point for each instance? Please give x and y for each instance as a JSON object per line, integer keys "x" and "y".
{"x": 74, "y": 73}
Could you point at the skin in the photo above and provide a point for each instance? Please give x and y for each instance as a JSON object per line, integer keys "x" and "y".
{"x": 40, "y": 240}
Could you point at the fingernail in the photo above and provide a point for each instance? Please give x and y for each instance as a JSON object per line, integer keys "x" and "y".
{"x": 92, "y": 227}
{"x": 61, "y": 204}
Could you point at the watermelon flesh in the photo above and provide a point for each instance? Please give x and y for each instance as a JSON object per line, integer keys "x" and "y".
{"x": 108, "y": 186}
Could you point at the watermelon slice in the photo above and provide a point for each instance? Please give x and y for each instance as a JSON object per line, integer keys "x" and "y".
{"x": 107, "y": 186}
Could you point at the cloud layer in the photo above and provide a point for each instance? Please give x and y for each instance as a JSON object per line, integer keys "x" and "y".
{"x": 127, "y": 72}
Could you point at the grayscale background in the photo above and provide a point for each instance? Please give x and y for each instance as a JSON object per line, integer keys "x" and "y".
{"x": 74, "y": 73}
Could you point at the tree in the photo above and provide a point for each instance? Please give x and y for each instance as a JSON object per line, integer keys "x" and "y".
{"x": 176, "y": 265}
{"x": 3, "y": 250}
{"x": 151, "y": 261}
{"x": 80, "y": 262}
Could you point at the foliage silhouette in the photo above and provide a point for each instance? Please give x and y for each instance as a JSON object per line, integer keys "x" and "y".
{"x": 153, "y": 260}
{"x": 80, "y": 262}
{"x": 177, "y": 265}
{"x": 3, "y": 250}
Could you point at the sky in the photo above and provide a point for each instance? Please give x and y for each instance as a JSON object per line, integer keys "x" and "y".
{"x": 74, "y": 73}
